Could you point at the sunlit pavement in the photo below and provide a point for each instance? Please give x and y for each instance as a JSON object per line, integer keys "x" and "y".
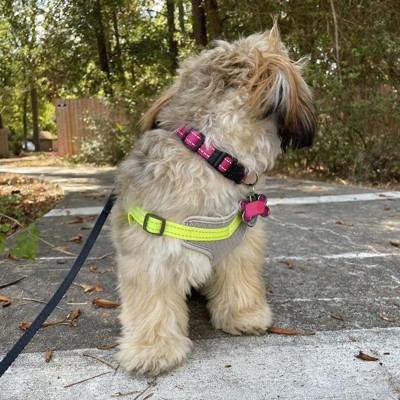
{"x": 332, "y": 271}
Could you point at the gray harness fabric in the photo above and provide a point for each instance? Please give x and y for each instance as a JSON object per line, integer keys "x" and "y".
{"x": 216, "y": 250}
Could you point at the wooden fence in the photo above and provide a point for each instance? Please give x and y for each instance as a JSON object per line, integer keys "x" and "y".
{"x": 71, "y": 127}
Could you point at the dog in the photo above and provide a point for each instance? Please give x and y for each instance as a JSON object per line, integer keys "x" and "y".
{"x": 249, "y": 102}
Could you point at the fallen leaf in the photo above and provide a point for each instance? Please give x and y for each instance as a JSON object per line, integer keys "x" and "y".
{"x": 77, "y": 220}
{"x": 283, "y": 331}
{"x": 343, "y": 223}
{"x": 74, "y": 316}
{"x": 99, "y": 288}
{"x": 52, "y": 323}
{"x": 5, "y": 300}
{"x": 25, "y": 325}
{"x": 11, "y": 257}
{"x": 387, "y": 208}
{"x": 388, "y": 319}
{"x": 86, "y": 288}
{"x": 75, "y": 239}
{"x": 104, "y": 303}
{"x": 228, "y": 366}
{"x": 93, "y": 268}
{"x": 48, "y": 355}
{"x": 107, "y": 346}
{"x": 337, "y": 316}
{"x": 366, "y": 357}
{"x": 289, "y": 264}
{"x": 394, "y": 244}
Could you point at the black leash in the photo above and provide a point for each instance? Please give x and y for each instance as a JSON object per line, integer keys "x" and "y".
{"x": 58, "y": 295}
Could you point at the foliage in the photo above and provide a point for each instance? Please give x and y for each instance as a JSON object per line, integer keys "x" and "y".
{"x": 106, "y": 143}
{"x": 127, "y": 50}
{"x": 24, "y": 244}
{"x": 22, "y": 201}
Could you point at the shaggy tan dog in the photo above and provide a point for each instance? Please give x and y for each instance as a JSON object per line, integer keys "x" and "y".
{"x": 249, "y": 100}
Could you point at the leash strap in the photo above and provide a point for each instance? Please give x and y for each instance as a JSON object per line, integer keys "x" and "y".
{"x": 159, "y": 226}
{"x": 58, "y": 295}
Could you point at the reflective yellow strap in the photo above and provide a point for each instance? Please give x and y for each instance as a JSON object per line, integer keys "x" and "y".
{"x": 158, "y": 226}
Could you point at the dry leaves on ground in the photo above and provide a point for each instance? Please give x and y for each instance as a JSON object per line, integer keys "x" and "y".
{"x": 69, "y": 320}
{"x": 26, "y": 199}
{"x": 86, "y": 287}
{"x": 99, "y": 288}
{"x": 48, "y": 355}
{"x": 5, "y": 300}
{"x": 289, "y": 264}
{"x": 343, "y": 223}
{"x": 388, "y": 319}
{"x": 366, "y": 357}
{"x": 77, "y": 220}
{"x": 283, "y": 331}
{"x": 104, "y": 303}
{"x": 337, "y": 316}
{"x": 108, "y": 346}
{"x": 74, "y": 316}
{"x": 75, "y": 239}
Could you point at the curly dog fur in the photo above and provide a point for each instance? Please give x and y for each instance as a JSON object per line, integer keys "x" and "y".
{"x": 251, "y": 101}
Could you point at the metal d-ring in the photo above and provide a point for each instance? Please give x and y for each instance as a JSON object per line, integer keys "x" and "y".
{"x": 253, "y": 183}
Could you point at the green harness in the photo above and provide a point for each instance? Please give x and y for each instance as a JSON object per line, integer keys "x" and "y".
{"x": 159, "y": 226}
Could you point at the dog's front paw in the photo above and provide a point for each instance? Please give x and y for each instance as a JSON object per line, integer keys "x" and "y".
{"x": 154, "y": 358}
{"x": 248, "y": 321}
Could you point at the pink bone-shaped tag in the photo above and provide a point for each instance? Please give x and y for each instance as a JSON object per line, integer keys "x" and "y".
{"x": 255, "y": 208}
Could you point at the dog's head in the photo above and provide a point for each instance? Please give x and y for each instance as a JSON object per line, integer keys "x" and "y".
{"x": 254, "y": 73}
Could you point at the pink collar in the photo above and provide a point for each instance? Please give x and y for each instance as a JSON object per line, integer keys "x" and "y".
{"x": 223, "y": 162}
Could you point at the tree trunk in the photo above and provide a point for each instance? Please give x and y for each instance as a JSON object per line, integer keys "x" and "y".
{"x": 4, "y": 150}
{"x": 214, "y": 23}
{"x": 199, "y": 23}
{"x": 25, "y": 120}
{"x": 101, "y": 40}
{"x": 181, "y": 16}
{"x": 35, "y": 119}
{"x": 172, "y": 44}
{"x": 117, "y": 56}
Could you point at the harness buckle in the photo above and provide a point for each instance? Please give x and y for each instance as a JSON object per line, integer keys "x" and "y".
{"x": 146, "y": 221}
{"x": 216, "y": 158}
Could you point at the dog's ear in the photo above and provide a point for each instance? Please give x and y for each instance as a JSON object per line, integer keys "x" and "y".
{"x": 274, "y": 37}
{"x": 148, "y": 120}
{"x": 278, "y": 91}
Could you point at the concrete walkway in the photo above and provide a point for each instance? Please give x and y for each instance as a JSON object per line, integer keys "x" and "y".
{"x": 333, "y": 269}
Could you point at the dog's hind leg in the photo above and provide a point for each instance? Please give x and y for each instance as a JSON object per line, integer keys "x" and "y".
{"x": 154, "y": 321}
{"x": 236, "y": 290}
